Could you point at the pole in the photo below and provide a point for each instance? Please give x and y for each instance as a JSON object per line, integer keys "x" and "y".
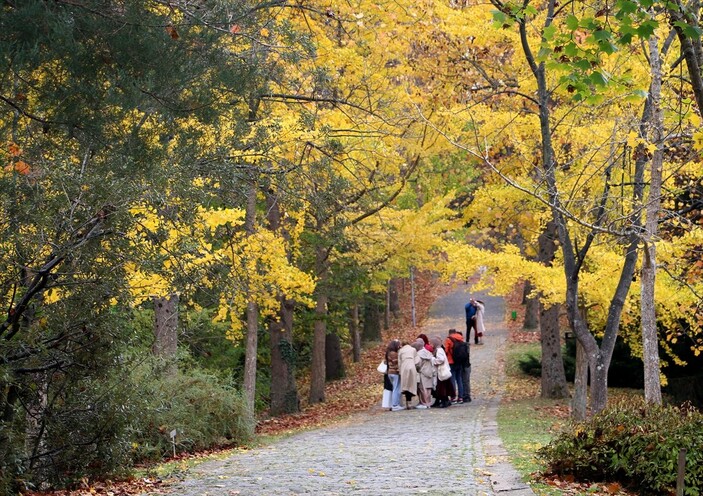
{"x": 681, "y": 473}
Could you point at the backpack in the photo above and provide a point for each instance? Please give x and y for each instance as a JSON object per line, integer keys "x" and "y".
{"x": 460, "y": 352}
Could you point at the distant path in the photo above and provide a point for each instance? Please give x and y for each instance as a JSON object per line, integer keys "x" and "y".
{"x": 451, "y": 451}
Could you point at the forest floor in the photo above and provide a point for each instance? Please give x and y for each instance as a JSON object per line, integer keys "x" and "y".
{"x": 358, "y": 392}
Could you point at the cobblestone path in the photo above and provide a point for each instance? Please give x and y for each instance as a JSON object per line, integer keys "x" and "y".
{"x": 449, "y": 451}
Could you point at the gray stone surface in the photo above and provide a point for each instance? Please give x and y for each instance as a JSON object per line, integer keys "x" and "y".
{"x": 452, "y": 451}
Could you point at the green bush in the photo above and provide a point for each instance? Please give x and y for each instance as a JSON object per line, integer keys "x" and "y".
{"x": 204, "y": 409}
{"x": 632, "y": 443}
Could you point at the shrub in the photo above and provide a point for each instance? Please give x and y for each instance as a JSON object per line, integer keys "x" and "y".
{"x": 634, "y": 444}
{"x": 204, "y": 409}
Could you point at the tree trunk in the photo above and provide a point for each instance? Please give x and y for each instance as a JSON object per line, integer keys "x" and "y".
{"x": 318, "y": 371}
{"x": 36, "y": 430}
{"x": 532, "y": 307}
{"x": 252, "y": 332}
{"x": 553, "y": 380}
{"x": 334, "y": 363}
{"x": 372, "y": 319}
{"x": 354, "y": 332}
{"x": 394, "y": 299}
{"x": 650, "y": 342}
{"x": 387, "y": 308}
{"x": 10, "y": 397}
{"x": 284, "y": 391}
{"x": 166, "y": 330}
{"x": 580, "y": 400}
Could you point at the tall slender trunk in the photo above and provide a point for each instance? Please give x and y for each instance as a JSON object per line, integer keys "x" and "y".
{"x": 371, "y": 325}
{"x": 284, "y": 390}
{"x": 252, "y": 336}
{"x": 650, "y": 342}
{"x": 580, "y": 399}
{"x": 354, "y": 332}
{"x": 532, "y": 307}
{"x": 318, "y": 370}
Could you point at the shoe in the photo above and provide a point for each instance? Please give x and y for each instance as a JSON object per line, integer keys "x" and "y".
{"x": 454, "y": 400}
{"x": 421, "y": 407}
{"x": 467, "y": 400}
{"x": 397, "y": 408}
{"x": 460, "y": 400}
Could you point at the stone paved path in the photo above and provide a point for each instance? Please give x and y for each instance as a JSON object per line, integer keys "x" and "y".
{"x": 451, "y": 451}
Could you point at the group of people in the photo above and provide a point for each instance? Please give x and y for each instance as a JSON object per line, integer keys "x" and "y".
{"x": 436, "y": 370}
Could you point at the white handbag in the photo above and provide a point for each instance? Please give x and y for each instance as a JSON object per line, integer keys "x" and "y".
{"x": 382, "y": 367}
{"x": 444, "y": 372}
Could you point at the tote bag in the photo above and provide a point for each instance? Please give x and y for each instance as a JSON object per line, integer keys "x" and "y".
{"x": 382, "y": 367}
{"x": 443, "y": 371}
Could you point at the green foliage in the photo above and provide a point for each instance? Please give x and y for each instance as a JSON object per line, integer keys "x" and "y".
{"x": 635, "y": 444}
{"x": 205, "y": 410}
{"x": 625, "y": 370}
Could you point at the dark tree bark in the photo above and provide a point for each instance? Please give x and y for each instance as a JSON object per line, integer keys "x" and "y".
{"x": 553, "y": 382}
{"x": 354, "y": 332}
{"x": 532, "y": 307}
{"x": 334, "y": 362}
{"x": 393, "y": 298}
{"x": 284, "y": 391}
{"x": 372, "y": 319}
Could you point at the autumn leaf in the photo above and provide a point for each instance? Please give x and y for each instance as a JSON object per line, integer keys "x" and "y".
{"x": 21, "y": 167}
{"x": 234, "y": 29}
{"x": 14, "y": 150}
{"x": 172, "y": 32}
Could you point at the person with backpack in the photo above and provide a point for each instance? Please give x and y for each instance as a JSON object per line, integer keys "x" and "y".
{"x": 458, "y": 356}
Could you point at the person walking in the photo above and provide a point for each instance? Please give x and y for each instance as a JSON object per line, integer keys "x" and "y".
{"x": 408, "y": 362}
{"x": 394, "y": 373}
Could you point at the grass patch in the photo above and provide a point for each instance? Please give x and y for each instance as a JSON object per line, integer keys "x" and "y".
{"x": 527, "y": 422}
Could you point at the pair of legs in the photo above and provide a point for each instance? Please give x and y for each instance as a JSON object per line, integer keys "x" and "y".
{"x": 466, "y": 373}
{"x": 395, "y": 395}
{"x": 424, "y": 395}
{"x": 458, "y": 379}
{"x": 444, "y": 391}
{"x": 471, "y": 324}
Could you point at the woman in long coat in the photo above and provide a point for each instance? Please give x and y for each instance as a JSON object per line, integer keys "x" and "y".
{"x": 408, "y": 361}
{"x": 427, "y": 374}
{"x": 444, "y": 388}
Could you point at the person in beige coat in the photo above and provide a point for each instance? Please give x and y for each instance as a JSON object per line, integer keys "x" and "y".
{"x": 426, "y": 374}
{"x": 408, "y": 361}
